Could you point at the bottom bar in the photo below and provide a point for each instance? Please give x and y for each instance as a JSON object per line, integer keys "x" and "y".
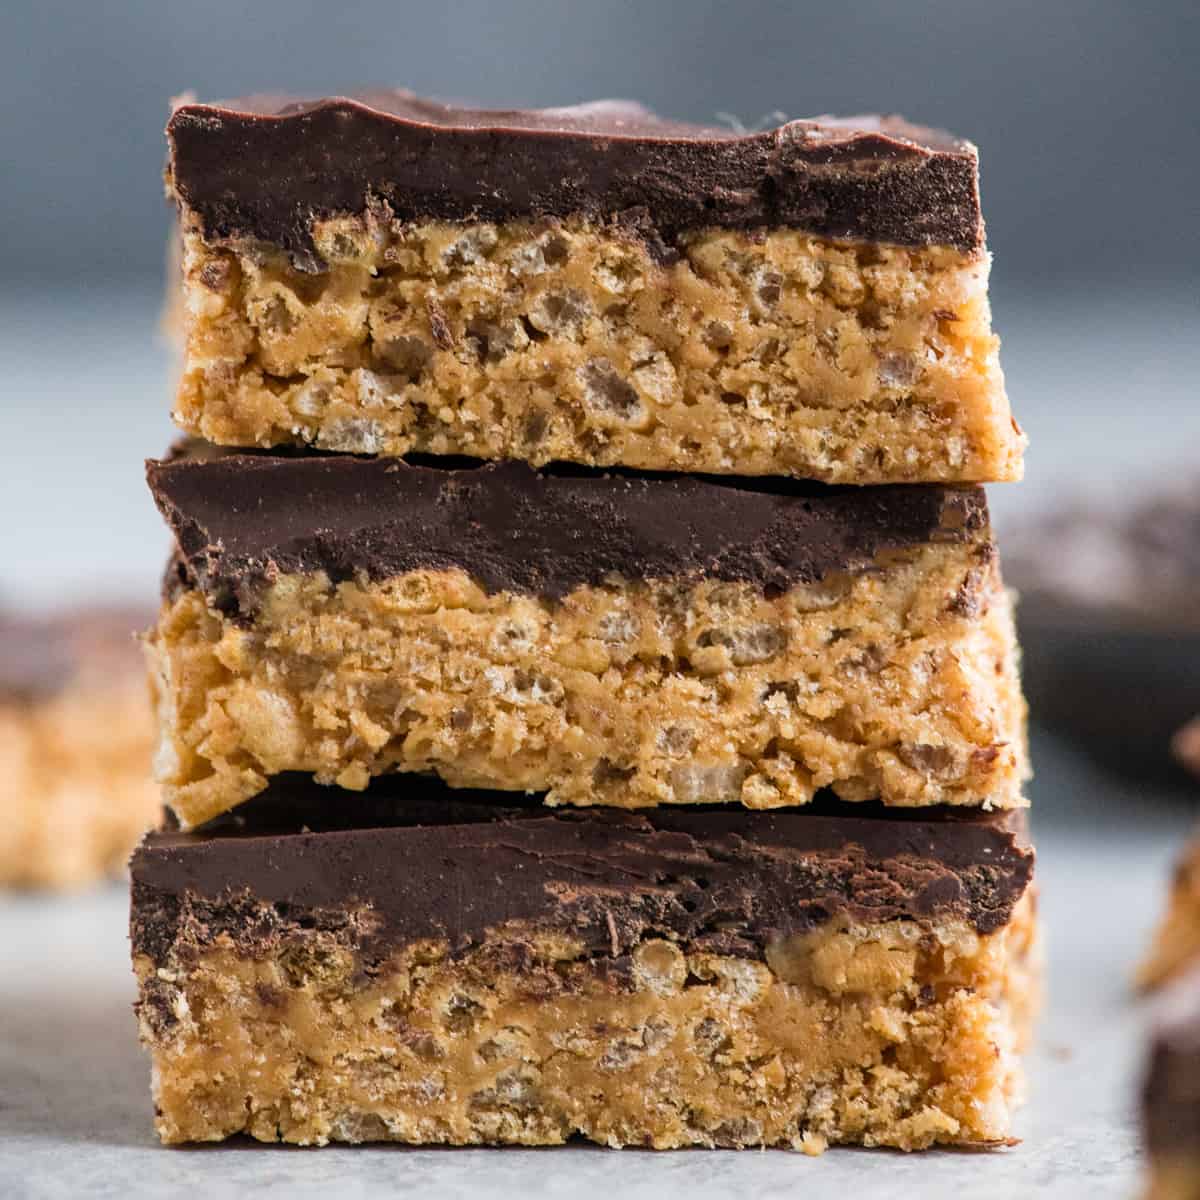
{"x": 1171, "y": 1094}
{"x": 421, "y": 966}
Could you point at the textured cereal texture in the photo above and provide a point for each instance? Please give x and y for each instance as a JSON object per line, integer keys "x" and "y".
{"x": 769, "y": 354}
{"x": 898, "y": 683}
{"x": 1176, "y": 945}
{"x": 77, "y": 783}
{"x": 888, "y": 1035}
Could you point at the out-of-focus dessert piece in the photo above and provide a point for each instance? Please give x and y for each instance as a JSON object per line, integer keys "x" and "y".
{"x": 1176, "y": 943}
{"x": 1110, "y": 565}
{"x": 386, "y": 274}
{"x": 1171, "y": 1094}
{"x": 1109, "y": 621}
{"x": 420, "y": 964}
{"x": 1186, "y": 745}
{"x": 75, "y": 746}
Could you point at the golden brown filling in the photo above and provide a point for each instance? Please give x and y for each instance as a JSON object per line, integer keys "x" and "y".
{"x": 884, "y": 1035}
{"x": 770, "y": 354}
{"x": 898, "y": 683}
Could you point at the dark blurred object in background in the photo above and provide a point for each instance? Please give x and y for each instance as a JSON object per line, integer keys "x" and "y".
{"x": 1110, "y": 622}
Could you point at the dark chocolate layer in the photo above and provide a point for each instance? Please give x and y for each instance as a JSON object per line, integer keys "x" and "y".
{"x": 411, "y": 859}
{"x": 266, "y": 167}
{"x": 241, "y": 519}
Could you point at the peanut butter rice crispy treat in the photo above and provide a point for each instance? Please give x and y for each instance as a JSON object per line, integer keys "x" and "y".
{"x": 387, "y": 275}
{"x": 442, "y": 969}
{"x": 623, "y": 641}
{"x": 75, "y": 747}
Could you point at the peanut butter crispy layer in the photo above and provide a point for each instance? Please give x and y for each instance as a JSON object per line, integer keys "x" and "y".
{"x": 266, "y": 169}
{"x": 242, "y": 520}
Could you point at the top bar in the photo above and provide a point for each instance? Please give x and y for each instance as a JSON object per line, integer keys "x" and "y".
{"x": 387, "y": 275}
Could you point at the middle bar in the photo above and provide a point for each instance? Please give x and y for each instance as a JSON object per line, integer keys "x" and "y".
{"x": 621, "y": 639}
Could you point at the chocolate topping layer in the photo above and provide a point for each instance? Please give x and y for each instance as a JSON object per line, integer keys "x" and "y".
{"x": 265, "y": 168}
{"x": 1171, "y": 1091}
{"x": 241, "y": 519}
{"x": 411, "y": 859}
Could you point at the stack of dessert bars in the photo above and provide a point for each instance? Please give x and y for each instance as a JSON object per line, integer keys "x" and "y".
{"x": 587, "y": 696}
